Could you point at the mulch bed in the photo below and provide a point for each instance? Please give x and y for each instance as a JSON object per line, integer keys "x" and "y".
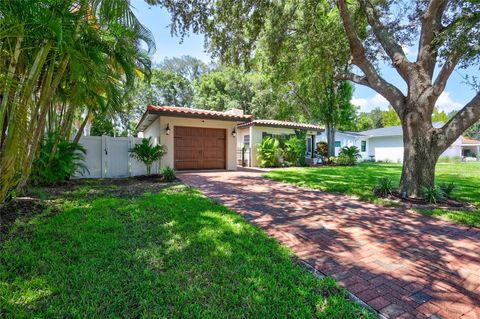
{"x": 445, "y": 203}
{"x": 18, "y": 208}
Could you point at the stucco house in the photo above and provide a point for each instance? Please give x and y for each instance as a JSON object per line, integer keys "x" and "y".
{"x": 250, "y": 134}
{"x": 386, "y": 144}
{"x": 194, "y": 138}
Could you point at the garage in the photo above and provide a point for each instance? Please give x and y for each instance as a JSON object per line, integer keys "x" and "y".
{"x": 194, "y": 139}
{"x": 199, "y": 148}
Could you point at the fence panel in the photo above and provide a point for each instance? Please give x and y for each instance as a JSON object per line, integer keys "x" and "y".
{"x": 110, "y": 157}
{"x": 93, "y": 159}
{"x": 117, "y": 156}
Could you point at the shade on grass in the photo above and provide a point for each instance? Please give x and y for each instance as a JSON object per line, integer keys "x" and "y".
{"x": 174, "y": 254}
{"x": 359, "y": 181}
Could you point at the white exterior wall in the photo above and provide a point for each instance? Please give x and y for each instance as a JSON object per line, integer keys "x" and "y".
{"x": 383, "y": 148}
{"x": 390, "y": 148}
{"x": 241, "y": 132}
{"x": 386, "y": 148}
{"x": 455, "y": 150}
{"x": 157, "y": 129}
{"x": 347, "y": 140}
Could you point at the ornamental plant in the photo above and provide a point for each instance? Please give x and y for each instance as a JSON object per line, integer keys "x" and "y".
{"x": 148, "y": 153}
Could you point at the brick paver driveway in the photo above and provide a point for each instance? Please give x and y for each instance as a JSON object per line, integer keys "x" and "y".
{"x": 401, "y": 263}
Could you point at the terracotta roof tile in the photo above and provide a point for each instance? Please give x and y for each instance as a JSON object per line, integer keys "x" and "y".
{"x": 190, "y": 111}
{"x": 285, "y": 124}
{"x": 467, "y": 140}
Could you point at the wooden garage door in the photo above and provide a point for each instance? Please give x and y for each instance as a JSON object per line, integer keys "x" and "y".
{"x": 199, "y": 148}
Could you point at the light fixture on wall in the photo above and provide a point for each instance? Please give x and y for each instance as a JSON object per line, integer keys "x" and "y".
{"x": 167, "y": 130}
{"x": 234, "y": 132}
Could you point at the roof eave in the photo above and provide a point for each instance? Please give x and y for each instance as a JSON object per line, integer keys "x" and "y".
{"x": 281, "y": 126}
{"x": 232, "y": 118}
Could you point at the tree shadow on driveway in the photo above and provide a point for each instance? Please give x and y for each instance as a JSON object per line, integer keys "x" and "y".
{"x": 397, "y": 261}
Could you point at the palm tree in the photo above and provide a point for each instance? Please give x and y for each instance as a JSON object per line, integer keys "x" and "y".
{"x": 352, "y": 153}
{"x": 147, "y": 153}
{"x": 79, "y": 54}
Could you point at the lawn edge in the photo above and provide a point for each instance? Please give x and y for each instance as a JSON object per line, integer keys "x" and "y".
{"x": 381, "y": 202}
{"x": 305, "y": 265}
{"x": 351, "y": 296}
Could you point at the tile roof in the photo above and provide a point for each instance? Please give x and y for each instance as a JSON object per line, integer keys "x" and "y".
{"x": 190, "y": 111}
{"x": 275, "y": 123}
{"x": 469, "y": 141}
{"x": 154, "y": 111}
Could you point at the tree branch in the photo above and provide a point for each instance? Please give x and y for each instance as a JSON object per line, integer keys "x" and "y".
{"x": 431, "y": 25}
{"x": 391, "y": 47}
{"x": 445, "y": 72}
{"x": 375, "y": 81}
{"x": 465, "y": 118}
{"x": 362, "y": 80}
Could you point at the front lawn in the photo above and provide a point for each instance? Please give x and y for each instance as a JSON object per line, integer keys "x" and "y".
{"x": 102, "y": 253}
{"x": 359, "y": 181}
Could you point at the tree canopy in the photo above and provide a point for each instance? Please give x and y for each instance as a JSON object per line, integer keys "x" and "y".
{"x": 59, "y": 60}
{"x": 445, "y": 32}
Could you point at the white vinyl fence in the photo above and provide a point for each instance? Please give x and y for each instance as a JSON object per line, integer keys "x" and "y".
{"x": 109, "y": 157}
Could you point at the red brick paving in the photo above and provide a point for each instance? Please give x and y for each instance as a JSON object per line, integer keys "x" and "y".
{"x": 400, "y": 263}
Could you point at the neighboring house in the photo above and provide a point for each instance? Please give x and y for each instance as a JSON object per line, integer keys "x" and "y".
{"x": 251, "y": 134}
{"x": 194, "y": 138}
{"x": 343, "y": 138}
{"x": 386, "y": 144}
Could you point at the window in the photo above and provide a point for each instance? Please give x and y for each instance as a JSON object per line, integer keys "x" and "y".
{"x": 309, "y": 145}
{"x": 265, "y": 134}
{"x": 364, "y": 146}
{"x": 246, "y": 140}
{"x": 280, "y": 137}
{"x": 338, "y": 144}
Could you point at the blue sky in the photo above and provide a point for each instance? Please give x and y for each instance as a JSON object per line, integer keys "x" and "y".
{"x": 456, "y": 93}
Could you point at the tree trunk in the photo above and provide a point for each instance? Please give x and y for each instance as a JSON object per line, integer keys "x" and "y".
{"x": 420, "y": 155}
{"x": 82, "y": 127}
{"x": 330, "y": 139}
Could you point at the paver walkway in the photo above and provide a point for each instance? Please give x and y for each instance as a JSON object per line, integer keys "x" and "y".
{"x": 400, "y": 263}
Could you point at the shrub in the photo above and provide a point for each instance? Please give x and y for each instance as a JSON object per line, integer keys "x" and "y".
{"x": 268, "y": 152}
{"x": 168, "y": 174}
{"x": 350, "y": 155}
{"x": 147, "y": 153}
{"x": 432, "y": 194}
{"x": 342, "y": 160}
{"x": 447, "y": 189}
{"x": 384, "y": 186}
{"x": 294, "y": 150}
{"x": 57, "y": 160}
{"x": 322, "y": 152}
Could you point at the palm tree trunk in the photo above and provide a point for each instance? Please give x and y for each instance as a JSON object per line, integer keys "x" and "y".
{"x": 8, "y": 83}
{"x": 82, "y": 127}
{"x": 15, "y": 148}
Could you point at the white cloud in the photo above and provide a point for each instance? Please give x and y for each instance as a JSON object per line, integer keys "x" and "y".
{"x": 368, "y": 104}
{"x": 446, "y": 103}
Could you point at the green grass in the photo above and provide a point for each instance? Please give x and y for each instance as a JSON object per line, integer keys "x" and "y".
{"x": 174, "y": 254}
{"x": 359, "y": 181}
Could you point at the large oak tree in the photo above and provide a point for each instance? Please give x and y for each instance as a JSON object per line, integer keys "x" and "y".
{"x": 447, "y": 33}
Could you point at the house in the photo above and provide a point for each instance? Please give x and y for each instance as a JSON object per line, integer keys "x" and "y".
{"x": 250, "y": 134}
{"x": 345, "y": 138}
{"x": 386, "y": 144}
{"x": 194, "y": 138}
